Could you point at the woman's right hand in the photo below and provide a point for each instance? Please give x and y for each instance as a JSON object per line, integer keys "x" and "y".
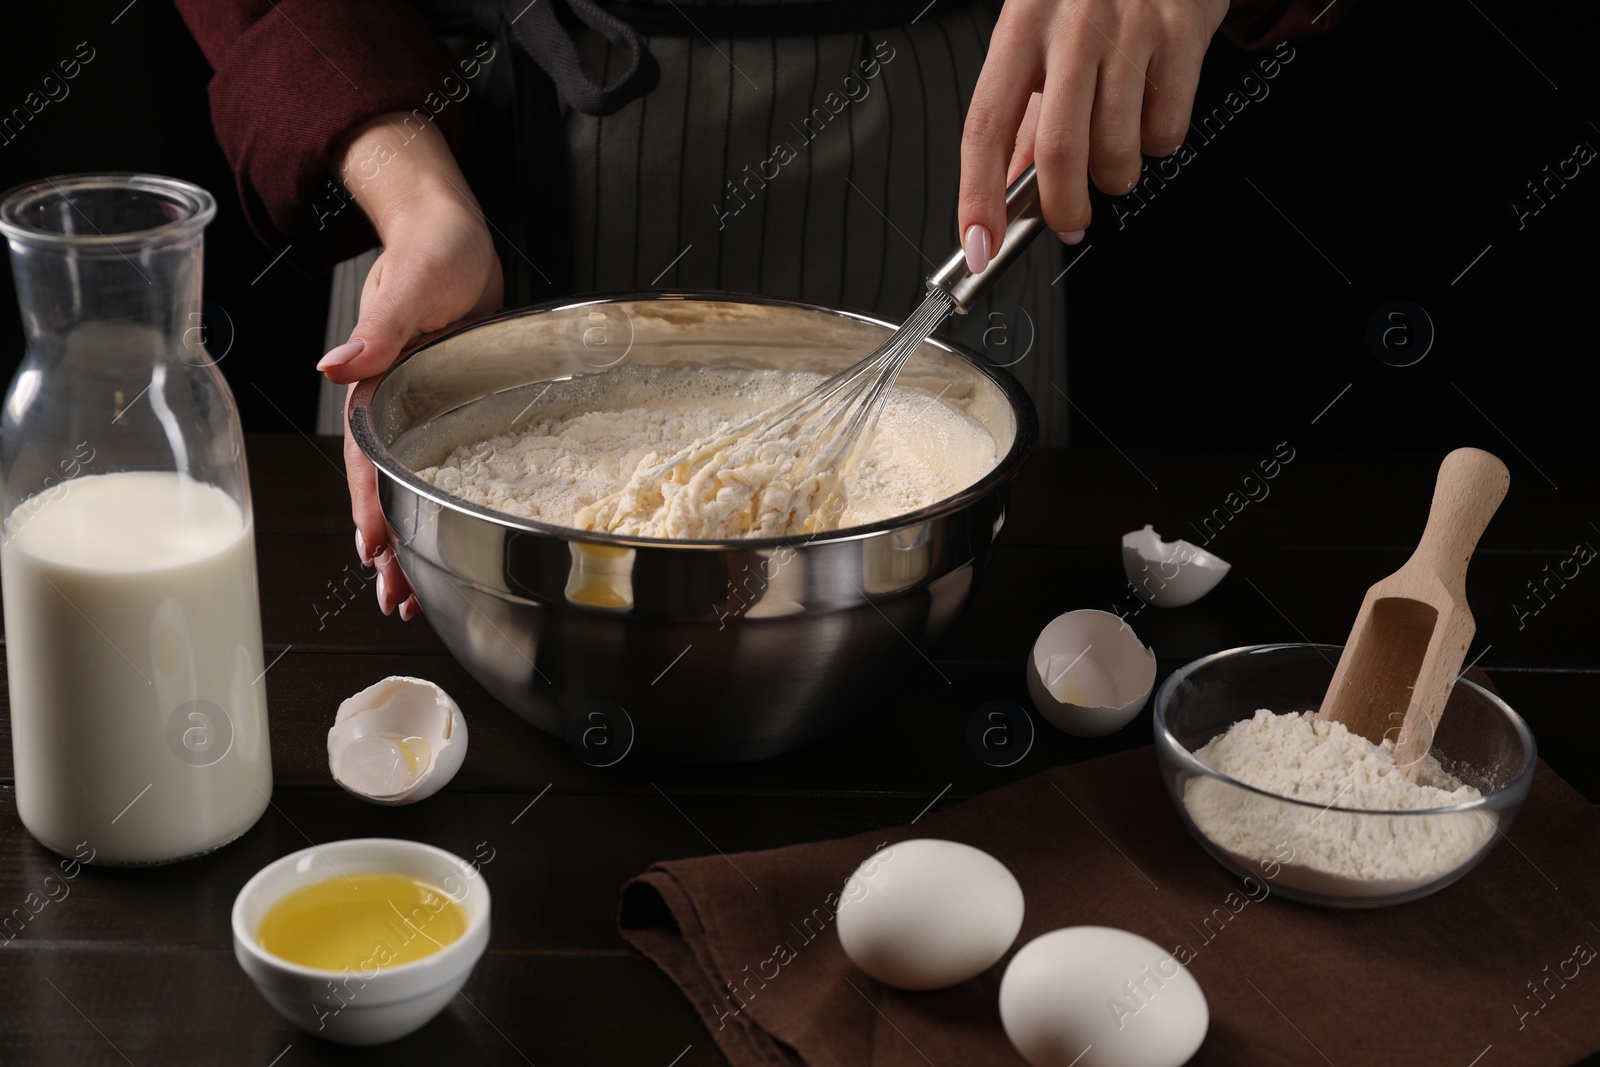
{"x": 438, "y": 266}
{"x": 1078, "y": 88}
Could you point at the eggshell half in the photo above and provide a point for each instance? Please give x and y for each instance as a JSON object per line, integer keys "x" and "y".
{"x": 1088, "y": 673}
{"x": 379, "y": 732}
{"x": 1169, "y": 574}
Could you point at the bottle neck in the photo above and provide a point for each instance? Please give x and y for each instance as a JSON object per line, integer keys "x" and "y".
{"x": 140, "y": 302}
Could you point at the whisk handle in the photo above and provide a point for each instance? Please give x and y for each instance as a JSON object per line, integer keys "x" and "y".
{"x": 1024, "y": 220}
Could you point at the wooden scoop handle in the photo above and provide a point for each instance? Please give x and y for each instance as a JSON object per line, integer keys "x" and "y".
{"x": 1471, "y": 485}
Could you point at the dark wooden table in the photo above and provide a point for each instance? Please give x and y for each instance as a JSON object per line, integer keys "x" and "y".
{"x": 137, "y": 966}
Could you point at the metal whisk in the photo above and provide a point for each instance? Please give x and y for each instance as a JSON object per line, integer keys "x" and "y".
{"x": 784, "y": 467}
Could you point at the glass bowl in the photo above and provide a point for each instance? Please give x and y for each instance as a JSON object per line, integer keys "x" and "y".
{"x": 1324, "y": 854}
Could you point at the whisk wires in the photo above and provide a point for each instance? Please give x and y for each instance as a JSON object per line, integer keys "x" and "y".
{"x": 780, "y": 471}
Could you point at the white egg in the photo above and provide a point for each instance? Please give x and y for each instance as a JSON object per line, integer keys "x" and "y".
{"x": 397, "y": 742}
{"x": 1096, "y": 996}
{"x": 926, "y": 914}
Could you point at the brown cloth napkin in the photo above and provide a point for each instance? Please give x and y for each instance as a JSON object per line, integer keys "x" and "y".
{"x": 1486, "y": 972}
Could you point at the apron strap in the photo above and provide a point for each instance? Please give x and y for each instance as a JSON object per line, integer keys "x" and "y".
{"x": 538, "y": 28}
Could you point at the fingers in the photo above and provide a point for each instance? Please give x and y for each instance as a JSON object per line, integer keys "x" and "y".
{"x": 1061, "y": 146}
{"x": 1022, "y": 154}
{"x": 373, "y": 539}
{"x": 437, "y": 268}
{"x": 1114, "y": 124}
{"x": 372, "y": 530}
{"x": 396, "y": 302}
{"x": 1114, "y": 77}
{"x": 1174, "y": 74}
{"x": 393, "y": 312}
{"x": 999, "y": 102}
{"x": 393, "y": 590}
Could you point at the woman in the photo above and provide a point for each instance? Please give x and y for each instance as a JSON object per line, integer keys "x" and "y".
{"x": 822, "y": 150}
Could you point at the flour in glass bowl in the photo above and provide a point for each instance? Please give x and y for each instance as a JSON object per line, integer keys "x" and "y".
{"x": 583, "y": 440}
{"x": 1317, "y": 845}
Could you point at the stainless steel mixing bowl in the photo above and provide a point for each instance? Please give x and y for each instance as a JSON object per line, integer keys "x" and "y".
{"x": 683, "y": 651}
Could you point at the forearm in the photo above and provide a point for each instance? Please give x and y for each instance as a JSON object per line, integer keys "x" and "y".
{"x": 293, "y": 78}
{"x": 396, "y": 168}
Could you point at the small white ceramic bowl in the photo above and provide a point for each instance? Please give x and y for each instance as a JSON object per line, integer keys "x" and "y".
{"x": 356, "y": 1007}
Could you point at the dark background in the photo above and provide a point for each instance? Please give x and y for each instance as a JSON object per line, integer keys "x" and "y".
{"x": 1395, "y": 147}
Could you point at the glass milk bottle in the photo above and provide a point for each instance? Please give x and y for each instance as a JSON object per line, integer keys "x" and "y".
{"x": 127, "y": 553}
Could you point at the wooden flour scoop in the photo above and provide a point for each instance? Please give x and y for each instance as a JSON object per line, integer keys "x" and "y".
{"x": 1411, "y": 634}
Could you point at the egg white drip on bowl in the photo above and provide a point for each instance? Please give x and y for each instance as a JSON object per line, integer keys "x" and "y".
{"x": 552, "y": 451}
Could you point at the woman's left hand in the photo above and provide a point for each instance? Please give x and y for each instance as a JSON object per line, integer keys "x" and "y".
{"x": 438, "y": 266}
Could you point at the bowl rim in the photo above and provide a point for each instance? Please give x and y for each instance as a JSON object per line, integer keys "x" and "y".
{"x": 1005, "y": 468}
{"x": 1166, "y": 740}
{"x": 244, "y": 938}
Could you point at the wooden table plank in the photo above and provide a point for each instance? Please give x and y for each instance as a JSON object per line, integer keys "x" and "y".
{"x": 1088, "y": 497}
{"x": 555, "y": 862}
{"x": 556, "y": 868}
{"x": 1062, "y": 501}
{"x": 918, "y": 710}
{"x": 297, "y": 484}
{"x": 1275, "y": 594}
{"x": 316, "y": 595}
{"x": 118, "y": 1004}
{"x": 909, "y": 737}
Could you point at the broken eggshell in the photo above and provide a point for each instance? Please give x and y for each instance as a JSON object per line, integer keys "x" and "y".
{"x": 1169, "y": 574}
{"x": 397, "y": 742}
{"x": 1088, "y": 673}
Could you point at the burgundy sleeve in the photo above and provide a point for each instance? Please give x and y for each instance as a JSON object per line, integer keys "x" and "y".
{"x": 1254, "y": 25}
{"x": 292, "y": 78}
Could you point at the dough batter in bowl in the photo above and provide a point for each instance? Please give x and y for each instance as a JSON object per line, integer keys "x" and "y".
{"x": 577, "y": 444}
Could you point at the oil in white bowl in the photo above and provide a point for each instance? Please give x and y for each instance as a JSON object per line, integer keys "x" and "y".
{"x": 363, "y": 922}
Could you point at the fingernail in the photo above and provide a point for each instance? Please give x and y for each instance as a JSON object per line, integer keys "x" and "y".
{"x": 409, "y": 609}
{"x": 383, "y": 597}
{"x": 342, "y": 355}
{"x": 976, "y": 246}
{"x": 1070, "y": 237}
{"x": 361, "y": 550}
